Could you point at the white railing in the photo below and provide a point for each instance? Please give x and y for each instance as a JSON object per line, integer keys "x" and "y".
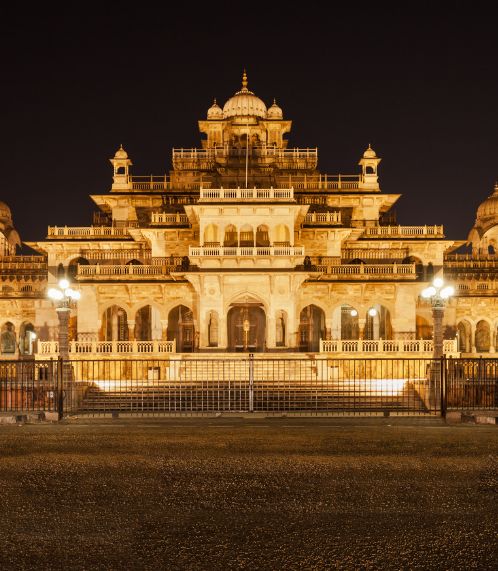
{"x": 93, "y": 270}
{"x": 117, "y": 254}
{"x": 108, "y": 347}
{"x": 323, "y": 218}
{"x": 377, "y": 270}
{"x": 86, "y": 231}
{"x": 384, "y": 346}
{"x": 164, "y": 182}
{"x": 234, "y": 251}
{"x": 374, "y": 253}
{"x": 168, "y": 218}
{"x": 321, "y": 182}
{"x": 472, "y": 285}
{"x": 247, "y": 193}
{"x": 406, "y": 231}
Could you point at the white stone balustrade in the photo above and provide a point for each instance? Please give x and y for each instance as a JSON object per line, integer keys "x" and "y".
{"x": 363, "y": 271}
{"x": 108, "y": 270}
{"x": 234, "y": 251}
{"x": 435, "y": 231}
{"x": 385, "y": 346}
{"x": 87, "y": 231}
{"x": 230, "y": 194}
{"x": 51, "y": 348}
{"x": 167, "y": 218}
{"x": 326, "y": 218}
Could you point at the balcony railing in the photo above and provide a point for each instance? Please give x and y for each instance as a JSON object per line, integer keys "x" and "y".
{"x": 323, "y": 218}
{"x": 87, "y": 232}
{"x": 169, "y": 219}
{"x": 121, "y": 254}
{"x": 374, "y": 253}
{"x": 367, "y": 271}
{"x": 85, "y": 348}
{"x": 262, "y": 194}
{"x": 385, "y": 346}
{"x": 321, "y": 182}
{"x": 165, "y": 182}
{"x": 245, "y": 251}
{"x": 435, "y": 231}
{"x": 479, "y": 287}
{"x": 118, "y": 270}
{"x": 205, "y": 159}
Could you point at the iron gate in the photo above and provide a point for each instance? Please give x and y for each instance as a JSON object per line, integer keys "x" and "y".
{"x": 310, "y": 384}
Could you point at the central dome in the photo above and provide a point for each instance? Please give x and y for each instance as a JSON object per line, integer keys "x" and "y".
{"x": 488, "y": 210}
{"x": 244, "y": 104}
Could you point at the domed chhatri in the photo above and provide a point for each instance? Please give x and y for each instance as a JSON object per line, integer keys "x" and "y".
{"x": 5, "y": 213}
{"x": 215, "y": 111}
{"x": 488, "y": 210}
{"x": 275, "y": 112}
{"x": 244, "y": 103}
{"x": 369, "y": 153}
{"x": 121, "y": 153}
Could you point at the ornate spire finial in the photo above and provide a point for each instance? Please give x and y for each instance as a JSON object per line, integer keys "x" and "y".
{"x": 244, "y": 80}
{"x": 214, "y": 101}
{"x": 274, "y": 101}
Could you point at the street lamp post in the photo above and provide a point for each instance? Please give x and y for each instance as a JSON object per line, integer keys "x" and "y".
{"x": 63, "y": 296}
{"x": 438, "y": 293}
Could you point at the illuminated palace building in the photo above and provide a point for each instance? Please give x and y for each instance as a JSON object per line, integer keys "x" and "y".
{"x": 247, "y": 247}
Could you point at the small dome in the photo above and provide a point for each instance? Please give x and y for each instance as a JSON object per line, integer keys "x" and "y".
{"x": 488, "y": 210}
{"x": 275, "y": 112}
{"x": 121, "y": 153}
{"x": 215, "y": 111}
{"x": 5, "y": 213}
{"x": 244, "y": 103}
{"x": 369, "y": 153}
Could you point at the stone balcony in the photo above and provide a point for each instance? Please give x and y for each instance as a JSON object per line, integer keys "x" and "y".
{"x": 246, "y": 256}
{"x": 116, "y": 272}
{"x": 88, "y": 232}
{"x": 410, "y": 346}
{"x": 323, "y": 219}
{"x": 246, "y": 194}
{"x": 169, "y": 219}
{"x": 434, "y": 231}
{"x": 88, "y": 349}
{"x": 364, "y": 272}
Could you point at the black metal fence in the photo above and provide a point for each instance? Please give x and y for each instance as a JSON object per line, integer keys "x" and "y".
{"x": 250, "y": 384}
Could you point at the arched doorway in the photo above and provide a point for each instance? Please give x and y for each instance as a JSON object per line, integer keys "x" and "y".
{"x": 246, "y": 327}
{"x": 181, "y": 328}
{"x": 378, "y": 323}
{"x": 27, "y": 337}
{"x": 311, "y": 328}
{"x": 148, "y": 324}
{"x": 115, "y": 324}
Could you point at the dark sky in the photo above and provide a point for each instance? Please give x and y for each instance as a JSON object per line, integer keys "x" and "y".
{"x": 417, "y": 81}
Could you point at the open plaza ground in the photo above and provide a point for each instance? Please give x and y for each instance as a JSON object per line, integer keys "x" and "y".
{"x": 242, "y": 493}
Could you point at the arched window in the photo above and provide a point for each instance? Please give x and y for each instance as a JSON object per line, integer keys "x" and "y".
{"x": 8, "y": 338}
{"x": 483, "y": 341}
{"x": 464, "y": 336}
{"x": 349, "y": 322}
{"x": 72, "y": 268}
{"x": 231, "y": 238}
{"x": 262, "y": 235}
{"x": 282, "y": 235}
{"x": 246, "y": 235}
{"x": 280, "y": 329}
{"x": 211, "y": 235}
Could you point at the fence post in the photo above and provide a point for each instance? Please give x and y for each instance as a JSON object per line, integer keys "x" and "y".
{"x": 251, "y": 382}
{"x": 60, "y": 388}
{"x": 443, "y": 381}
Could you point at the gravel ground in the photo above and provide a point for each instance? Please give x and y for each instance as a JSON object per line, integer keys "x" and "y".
{"x": 249, "y": 494}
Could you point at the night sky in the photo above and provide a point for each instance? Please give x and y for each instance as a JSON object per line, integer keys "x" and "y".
{"x": 418, "y": 82}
